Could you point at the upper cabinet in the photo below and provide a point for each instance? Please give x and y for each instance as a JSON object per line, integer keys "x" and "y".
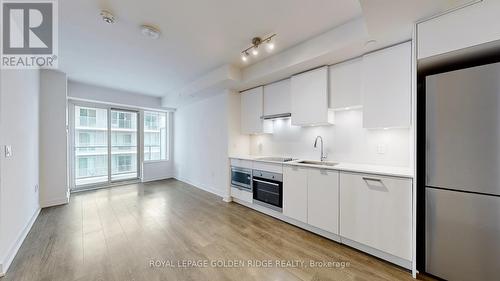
{"x": 277, "y": 100}
{"x": 466, "y": 27}
{"x": 309, "y": 98}
{"x": 386, "y": 87}
{"x": 345, "y": 84}
{"x": 251, "y": 112}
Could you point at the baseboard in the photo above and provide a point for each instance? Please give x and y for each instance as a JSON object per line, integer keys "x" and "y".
{"x": 11, "y": 254}
{"x": 54, "y": 202}
{"x": 280, "y": 216}
{"x": 202, "y": 187}
{"x": 378, "y": 253}
{"x": 156, "y": 179}
{"x": 335, "y": 237}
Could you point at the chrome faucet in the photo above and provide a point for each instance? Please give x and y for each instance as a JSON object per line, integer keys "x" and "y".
{"x": 323, "y": 157}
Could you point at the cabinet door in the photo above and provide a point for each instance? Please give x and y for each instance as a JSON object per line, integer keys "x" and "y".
{"x": 295, "y": 193}
{"x": 387, "y": 87}
{"x": 466, "y": 27}
{"x": 277, "y": 98}
{"x": 251, "y": 112}
{"x": 310, "y": 98}
{"x": 376, "y": 211}
{"x": 345, "y": 84}
{"x": 242, "y": 195}
{"x": 323, "y": 199}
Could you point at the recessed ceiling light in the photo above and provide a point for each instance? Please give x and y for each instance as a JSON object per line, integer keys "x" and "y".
{"x": 150, "y": 31}
{"x": 107, "y": 17}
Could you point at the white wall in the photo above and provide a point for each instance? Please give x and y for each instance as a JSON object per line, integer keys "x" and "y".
{"x": 53, "y": 139}
{"x": 203, "y": 136}
{"x": 19, "y": 127}
{"x": 346, "y": 141}
{"x": 108, "y": 95}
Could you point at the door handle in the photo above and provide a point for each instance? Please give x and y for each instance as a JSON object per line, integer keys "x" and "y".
{"x": 266, "y": 182}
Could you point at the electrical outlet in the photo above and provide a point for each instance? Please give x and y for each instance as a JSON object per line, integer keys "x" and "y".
{"x": 36, "y": 187}
{"x": 8, "y": 151}
{"x": 381, "y": 149}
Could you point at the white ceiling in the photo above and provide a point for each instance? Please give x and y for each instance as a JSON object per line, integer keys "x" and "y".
{"x": 197, "y": 36}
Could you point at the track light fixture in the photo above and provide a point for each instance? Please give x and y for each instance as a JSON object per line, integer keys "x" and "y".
{"x": 254, "y": 49}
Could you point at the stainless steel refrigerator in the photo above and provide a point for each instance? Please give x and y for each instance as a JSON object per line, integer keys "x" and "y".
{"x": 462, "y": 194}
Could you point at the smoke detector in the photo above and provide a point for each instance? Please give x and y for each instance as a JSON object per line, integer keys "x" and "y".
{"x": 150, "y": 31}
{"x": 107, "y": 17}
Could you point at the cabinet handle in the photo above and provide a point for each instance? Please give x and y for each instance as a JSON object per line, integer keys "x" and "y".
{"x": 371, "y": 179}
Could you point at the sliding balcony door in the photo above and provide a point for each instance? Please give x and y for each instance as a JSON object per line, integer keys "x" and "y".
{"x": 124, "y": 156}
{"x": 90, "y": 146}
{"x": 105, "y": 142}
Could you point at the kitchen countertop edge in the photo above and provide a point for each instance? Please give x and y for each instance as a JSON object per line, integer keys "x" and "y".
{"x": 401, "y": 172}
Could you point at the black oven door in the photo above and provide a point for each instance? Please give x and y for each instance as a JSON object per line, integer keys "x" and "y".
{"x": 268, "y": 192}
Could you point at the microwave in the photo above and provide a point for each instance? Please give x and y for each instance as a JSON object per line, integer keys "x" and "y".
{"x": 241, "y": 178}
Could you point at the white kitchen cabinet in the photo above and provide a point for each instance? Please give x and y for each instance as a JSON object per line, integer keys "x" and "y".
{"x": 345, "y": 84}
{"x": 252, "y": 111}
{"x": 309, "y": 97}
{"x": 323, "y": 199}
{"x": 295, "y": 193}
{"x": 376, "y": 211}
{"x": 277, "y": 98}
{"x": 466, "y": 27}
{"x": 241, "y": 194}
{"x": 387, "y": 87}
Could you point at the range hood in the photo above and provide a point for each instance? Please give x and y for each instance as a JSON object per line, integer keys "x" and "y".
{"x": 276, "y": 116}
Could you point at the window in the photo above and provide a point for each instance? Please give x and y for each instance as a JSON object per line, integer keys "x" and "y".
{"x": 84, "y": 138}
{"x": 122, "y": 120}
{"x": 87, "y": 117}
{"x": 155, "y": 136}
{"x": 124, "y": 163}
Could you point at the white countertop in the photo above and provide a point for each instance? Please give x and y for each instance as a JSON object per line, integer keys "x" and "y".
{"x": 347, "y": 167}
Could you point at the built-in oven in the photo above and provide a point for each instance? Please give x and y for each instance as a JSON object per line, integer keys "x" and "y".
{"x": 268, "y": 189}
{"x": 241, "y": 178}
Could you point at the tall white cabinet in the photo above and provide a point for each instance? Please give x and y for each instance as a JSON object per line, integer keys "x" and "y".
{"x": 252, "y": 102}
{"x": 309, "y": 96}
{"x": 386, "y": 87}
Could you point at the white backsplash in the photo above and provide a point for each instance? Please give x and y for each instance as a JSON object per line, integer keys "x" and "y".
{"x": 346, "y": 141}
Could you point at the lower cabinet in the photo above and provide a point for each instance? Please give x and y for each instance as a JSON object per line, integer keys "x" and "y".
{"x": 295, "y": 193}
{"x": 311, "y": 196}
{"x": 376, "y": 211}
{"x": 242, "y": 195}
{"x": 323, "y": 199}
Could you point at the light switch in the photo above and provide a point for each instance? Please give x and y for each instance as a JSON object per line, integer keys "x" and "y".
{"x": 8, "y": 151}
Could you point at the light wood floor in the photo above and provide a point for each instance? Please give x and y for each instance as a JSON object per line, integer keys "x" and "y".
{"x": 113, "y": 234}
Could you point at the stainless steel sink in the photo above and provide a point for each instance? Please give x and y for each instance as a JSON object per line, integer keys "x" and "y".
{"x": 317, "y": 163}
